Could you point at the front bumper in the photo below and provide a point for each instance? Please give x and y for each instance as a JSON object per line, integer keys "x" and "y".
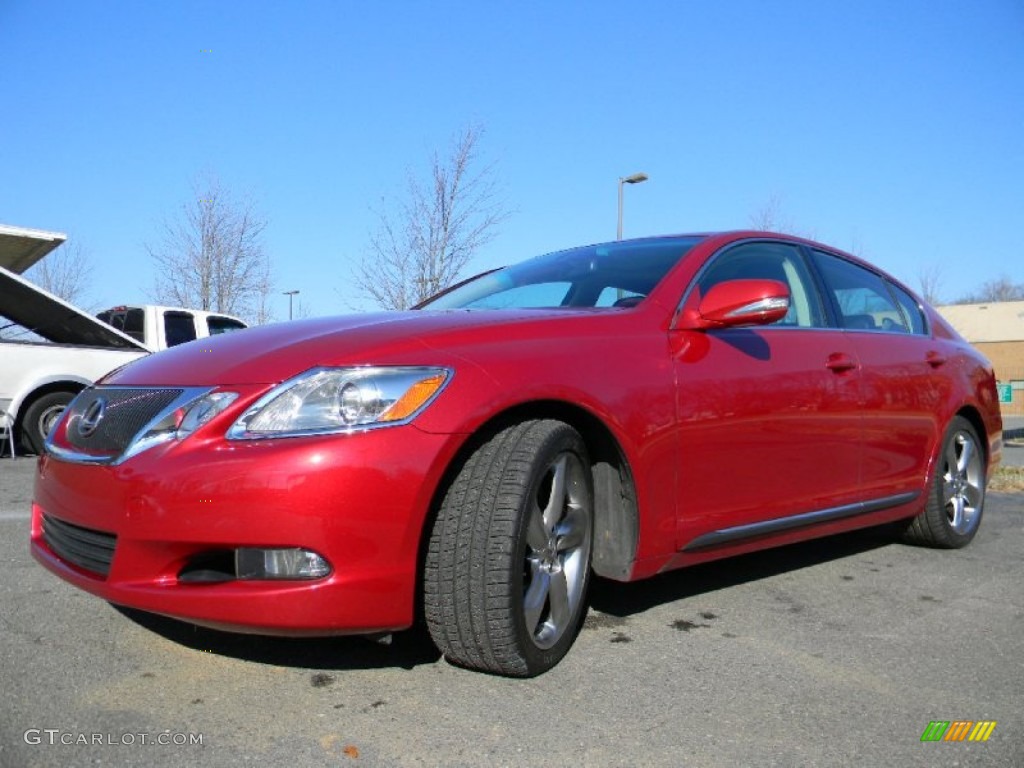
{"x": 358, "y": 500}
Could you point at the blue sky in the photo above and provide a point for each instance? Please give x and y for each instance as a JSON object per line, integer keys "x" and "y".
{"x": 895, "y": 129}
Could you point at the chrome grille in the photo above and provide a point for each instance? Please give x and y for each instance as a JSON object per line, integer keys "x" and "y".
{"x": 84, "y": 547}
{"x": 126, "y": 412}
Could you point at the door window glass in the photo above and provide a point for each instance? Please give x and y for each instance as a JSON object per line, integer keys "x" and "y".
{"x": 862, "y": 298}
{"x": 179, "y": 327}
{"x": 912, "y": 313}
{"x": 217, "y": 324}
{"x": 770, "y": 261}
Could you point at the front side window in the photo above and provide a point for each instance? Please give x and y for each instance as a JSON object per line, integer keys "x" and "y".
{"x": 770, "y": 261}
{"x": 862, "y": 298}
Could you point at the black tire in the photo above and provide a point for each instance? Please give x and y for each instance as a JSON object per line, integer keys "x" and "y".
{"x": 40, "y": 415}
{"x": 504, "y": 584}
{"x": 956, "y": 495}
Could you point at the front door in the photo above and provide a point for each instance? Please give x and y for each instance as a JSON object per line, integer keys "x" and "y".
{"x": 769, "y": 419}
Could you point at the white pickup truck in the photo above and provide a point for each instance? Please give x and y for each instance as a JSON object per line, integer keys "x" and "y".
{"x": 49, "y": 351}
{"x": 163, "y": 327}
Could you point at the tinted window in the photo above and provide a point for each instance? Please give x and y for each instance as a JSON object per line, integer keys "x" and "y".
{"x": 862, "y": 298}
{"x": 912, "y": 314}
{"x": 129, "y": 321}
{"x": 770, "y": 261}
{"x": 179, "y": 327}
{"x": 217, "y": 324}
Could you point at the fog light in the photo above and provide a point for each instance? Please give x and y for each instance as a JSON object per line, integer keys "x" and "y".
{"x": 280, "y": 564}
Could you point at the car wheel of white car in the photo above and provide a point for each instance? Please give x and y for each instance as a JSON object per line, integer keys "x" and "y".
{"x": 508, "y": 561}
{"x": 40, "y": 417}
{"x": 956, "y": 496}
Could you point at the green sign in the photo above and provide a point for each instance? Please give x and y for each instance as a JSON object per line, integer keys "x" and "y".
{"x": 1005, "y": 392}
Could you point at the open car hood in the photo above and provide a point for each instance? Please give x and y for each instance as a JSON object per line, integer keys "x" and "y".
{"x": 21, "y": 247}
{"x": 27, "y": 305}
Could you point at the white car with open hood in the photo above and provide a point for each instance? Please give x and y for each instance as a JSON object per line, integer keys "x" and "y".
{"x": 49, "y": 349}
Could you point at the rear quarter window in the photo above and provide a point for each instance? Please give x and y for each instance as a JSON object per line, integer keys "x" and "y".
{"x": 912, "y": 312}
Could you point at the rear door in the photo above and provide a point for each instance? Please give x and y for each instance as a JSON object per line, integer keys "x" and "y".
{"x": 769, "y": 416}
{"x": 903, "y": 382}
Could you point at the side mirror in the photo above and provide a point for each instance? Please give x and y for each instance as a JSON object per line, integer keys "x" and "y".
{"x": 739, "y": 302}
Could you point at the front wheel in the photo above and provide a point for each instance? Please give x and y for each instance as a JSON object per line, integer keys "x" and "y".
{"x": 508, "y": 560}
{"x": 956, "y": 496}
{"x": 40, "y": 417}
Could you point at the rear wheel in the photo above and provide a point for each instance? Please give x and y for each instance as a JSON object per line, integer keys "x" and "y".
{"x": 40, "y": 417}
{"x": 956, "y": 496}
{"x": 508, "y": 561}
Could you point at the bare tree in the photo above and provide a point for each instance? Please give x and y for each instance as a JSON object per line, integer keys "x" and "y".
{"x": 929, "y": 278}
{"x": 423, "y": 246}
{"x": 65, "y": 273}
{"x": 212, "y": 256}
{"x": 768, "y": 218}
{"x": 1000, "y": 289}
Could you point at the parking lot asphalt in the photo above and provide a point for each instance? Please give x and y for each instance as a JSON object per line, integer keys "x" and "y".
{"x": 1013, "y": 453}
{"x": 836, "y": 652}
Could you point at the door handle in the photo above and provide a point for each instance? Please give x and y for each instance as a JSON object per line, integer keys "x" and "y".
{"x": 935, "y": 359}
{"x": 840, "y": 362}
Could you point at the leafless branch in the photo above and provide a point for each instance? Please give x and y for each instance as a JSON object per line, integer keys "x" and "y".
{"x": 929, "y": 279}
{"x": 65, "y": 273}
{"x": 771, "y": 218}
{"x": 424, "y": 246}
{"x": 212, "y": 256}
{"x": 1000, "y": 289}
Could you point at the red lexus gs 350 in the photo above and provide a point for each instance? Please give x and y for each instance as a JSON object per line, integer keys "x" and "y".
{"x": 620, "y": 410}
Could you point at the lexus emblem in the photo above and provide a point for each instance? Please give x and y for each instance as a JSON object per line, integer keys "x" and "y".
{"x": 91, "y": 418}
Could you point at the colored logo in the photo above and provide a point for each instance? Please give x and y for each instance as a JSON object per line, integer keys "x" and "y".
{"x": 958, "y": 730}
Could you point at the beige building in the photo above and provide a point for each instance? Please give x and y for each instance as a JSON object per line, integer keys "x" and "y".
{"x": 997, "y": 330}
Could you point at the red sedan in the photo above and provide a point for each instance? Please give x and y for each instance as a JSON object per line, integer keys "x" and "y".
{"x": 620, "y": 409}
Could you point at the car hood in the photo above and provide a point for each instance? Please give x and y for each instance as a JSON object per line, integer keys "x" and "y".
{"x": 54, "y": 319}
{"x": 273, "y": 353}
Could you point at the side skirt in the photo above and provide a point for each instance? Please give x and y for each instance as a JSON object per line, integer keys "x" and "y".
{"x": 768, "y": 527}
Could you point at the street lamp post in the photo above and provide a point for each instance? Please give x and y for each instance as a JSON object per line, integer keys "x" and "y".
{"x": 290, "y": 295}
{"x": 636, "y": 178}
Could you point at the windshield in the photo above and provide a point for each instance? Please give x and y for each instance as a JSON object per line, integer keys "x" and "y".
{"x": 607, "y": 275}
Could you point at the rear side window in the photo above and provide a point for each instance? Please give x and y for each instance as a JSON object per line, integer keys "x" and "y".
{"x": 217, "y": 324}
{"x": 179, "y": 327}
{"x": 770, "y": 261}
{"x": 863, "y": 299}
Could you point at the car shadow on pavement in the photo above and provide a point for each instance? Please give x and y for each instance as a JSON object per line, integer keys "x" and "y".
{"x": 625, "y": 599}
{"x": 405, "y": 650}
{"x": 413, "y": 647}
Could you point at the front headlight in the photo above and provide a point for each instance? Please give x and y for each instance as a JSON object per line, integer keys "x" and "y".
{"x": 326, "y": 400}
